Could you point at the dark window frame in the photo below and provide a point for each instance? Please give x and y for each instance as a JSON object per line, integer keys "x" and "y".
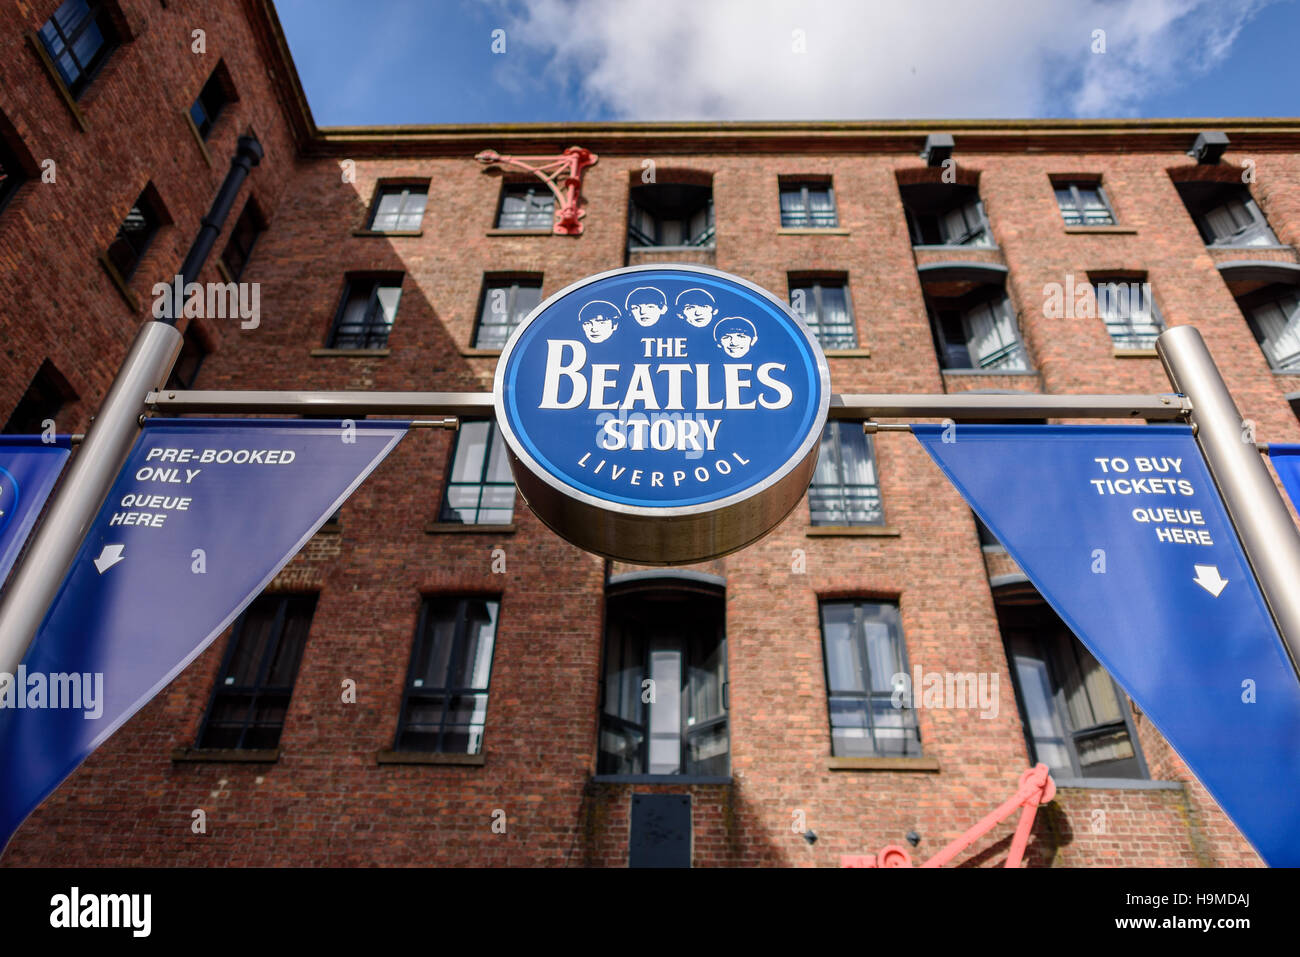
{"x": 404, "y": 190}
{"x": 451, "y": 514}
{"x": 47, "y": 394}
{"x": 1200, "y": 200}
{"x": 693, "y": 649}
{"x": 259, "y": 689}
{"x": 512, "y": 283}
{"x": 641, "y": 203}
{"x": 370, "y": 339}
{"x": 843, "y": 491}
{"x": 192, "y": 342}
{"x": 1124, "y": 332}
{"x": 530, "y": 219}
{"x": 252, "y": 215}
{"x": 425, "y": 630}
{"x": 1077, "y": 206}
{"x": 943, "y": 312}
{"x": 98, "y": 13}
{"x": 1072, "y": 736}
{"x": 213, "y": 100}
{"x": 151, "y": 210}
{"x": 817, "y": 285}
{"x": 1272, "y": 294}
{"x": 13, "y": 171}
{"x": 804, "y": 217}
{"x": 923, "y": 223}
{"x": 890, "y": 615}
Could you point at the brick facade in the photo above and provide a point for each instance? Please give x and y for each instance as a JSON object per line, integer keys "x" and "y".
{"x": 327, "y": 800}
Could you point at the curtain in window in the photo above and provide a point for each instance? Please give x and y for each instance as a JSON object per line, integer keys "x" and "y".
{"x": 1041, "y": 716}
{"x": 1239, "y": 222}
{"x": 792, "y": 211}
{"x": 821, "y": 207}
{"x": 1129, "y": 312}
{"x": 1277, "y": 324}
{"x": 992, "y": 337}
{"x": 834, "y": 325}
{"x": 965, "y": 225}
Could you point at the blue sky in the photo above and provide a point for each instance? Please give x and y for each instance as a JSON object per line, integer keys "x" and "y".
{"x": 432, "y": 61}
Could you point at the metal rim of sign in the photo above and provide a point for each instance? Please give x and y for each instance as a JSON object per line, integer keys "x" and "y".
{"x": 664, "y": 535}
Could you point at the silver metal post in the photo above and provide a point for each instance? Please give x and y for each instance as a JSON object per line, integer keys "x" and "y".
{"x": 36, "y": 580}
{"x": 1268, "y": 536}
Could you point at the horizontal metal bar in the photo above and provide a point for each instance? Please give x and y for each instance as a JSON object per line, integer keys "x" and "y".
{"x": 956, "y": 406}
{"x": 467, "y": 404}
{"x": 982, "y": 405}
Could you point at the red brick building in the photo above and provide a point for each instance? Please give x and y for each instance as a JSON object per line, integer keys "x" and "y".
{"x": 497, "y": 716}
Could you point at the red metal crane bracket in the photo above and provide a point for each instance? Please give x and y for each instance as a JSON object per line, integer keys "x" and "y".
{"x": 1036, "y": 789}
{"x": 563, "y": 174}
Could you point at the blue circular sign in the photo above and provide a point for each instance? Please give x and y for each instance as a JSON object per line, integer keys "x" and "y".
{"x": 661, "y": 393}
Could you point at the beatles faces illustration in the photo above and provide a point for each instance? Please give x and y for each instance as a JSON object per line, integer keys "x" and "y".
{"x": 734, "y": 335}
{"x": 647, "y": 304}
{"x": 599, "y": 319}
{"x": 696, "y": 306}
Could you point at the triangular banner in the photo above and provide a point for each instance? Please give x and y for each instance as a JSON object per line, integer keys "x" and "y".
{"x": 29, "y": 467}
{"x": 202, "y": 517}
{"x": 1286, "y": 460}
{"x": 1123, "y": 532}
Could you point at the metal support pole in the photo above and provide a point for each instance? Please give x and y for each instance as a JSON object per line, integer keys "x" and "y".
{"x": 35, "y": 582}
{"x": 1268, "y": 535}
{"x": 960, "y": 406}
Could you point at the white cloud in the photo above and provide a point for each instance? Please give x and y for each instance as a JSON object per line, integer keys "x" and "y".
{"x": 738, "y": 59}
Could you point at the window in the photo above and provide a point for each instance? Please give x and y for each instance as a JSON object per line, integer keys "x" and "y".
{"x": 46, "y": 395}
{"x": 671, "y": 214}
{"x": 444, "y": 706}
{"x": 844, "y": 489}
{"x": 809, "y": 205}
{"x": 944, "y": 214}
{"x": 1130, "y": 313}
{"x": 977, "y": 331}
{"x": 864, "y": 652}
{"x": 366, "y": 314}
{"x": 1083, "y": 203}
{"x": 1226, "y": 215}
{"x": 824, "y": 305}
{"x": 1076, "y": 718}
{"x": 243, "y": 237}
{"x": 504, "y": 305}
{"x": 134, "y": 235}
{"x": 12, "y": 173}
{"x": 526, "y": 206}
{"x": 256, "y": 679}
{"x": 398, "y": 208}
{"x": 79, "y": 38}
{"x": 1274, "y": 318}
{"x": 186, "y": 369}
{"x": 664, "y": 695}
{"x": 212, "y": 100}
{"x": 480, "y": 490}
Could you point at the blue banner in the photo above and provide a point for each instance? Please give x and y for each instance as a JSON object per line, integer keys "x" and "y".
{"x": 29, "y": 467}
{"x": 1286, "y": 460}
{"x": 201, "y": 518}
{"x": 1123, "y": 532}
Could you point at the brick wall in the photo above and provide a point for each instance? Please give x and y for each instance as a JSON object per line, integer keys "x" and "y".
{"x": 327, "y": 800}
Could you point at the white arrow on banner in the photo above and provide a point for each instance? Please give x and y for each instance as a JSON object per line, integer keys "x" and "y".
{"x": 1208, "y": 577}
{"x": 110, "y": 556}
